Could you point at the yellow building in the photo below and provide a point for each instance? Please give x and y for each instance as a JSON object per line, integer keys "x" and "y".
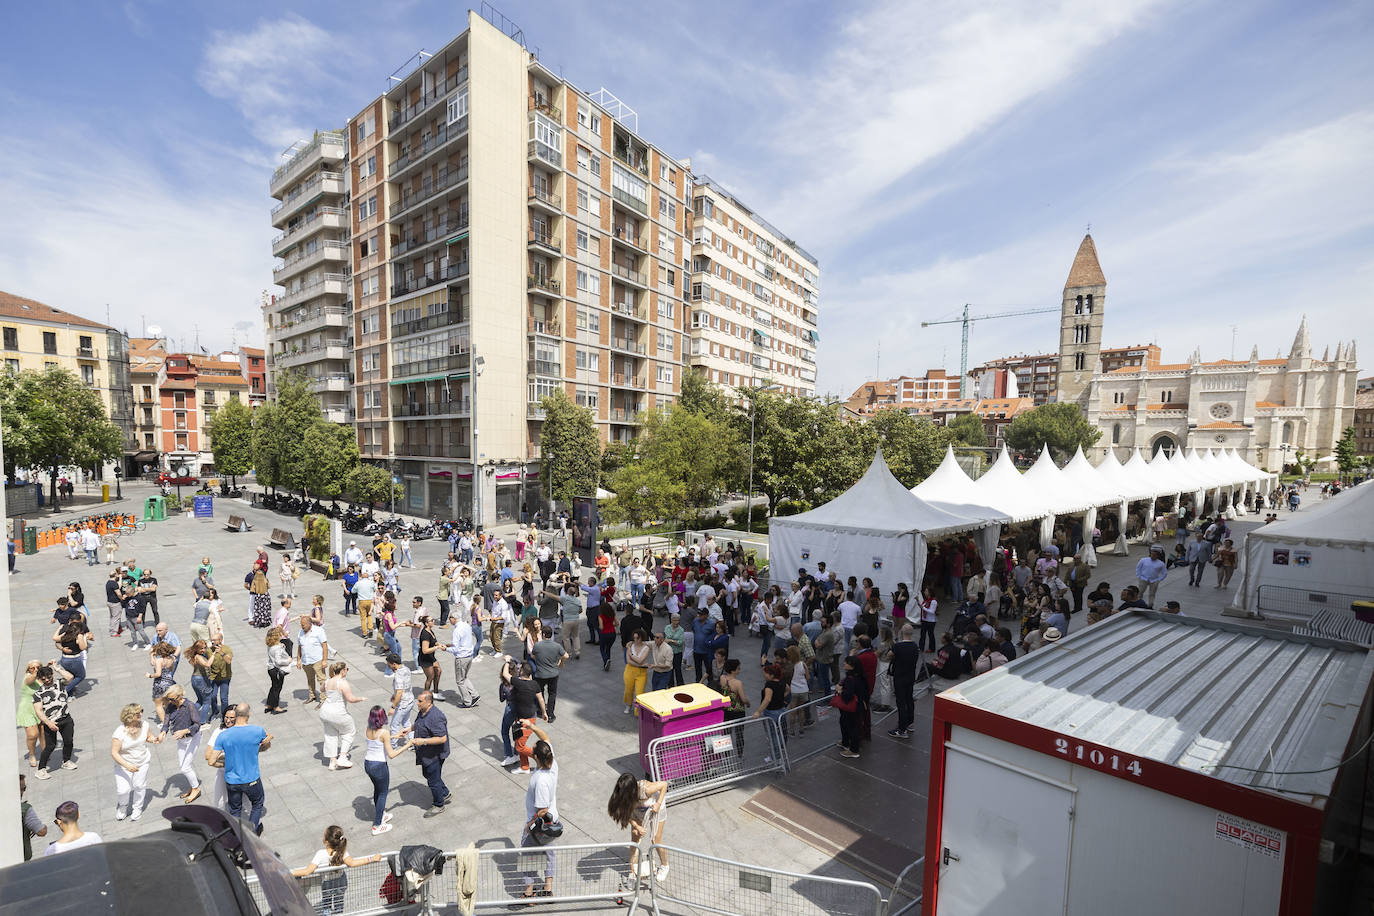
{"x": 38, "y": 336}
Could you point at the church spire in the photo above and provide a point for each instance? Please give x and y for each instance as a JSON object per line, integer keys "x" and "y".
{"x": 1085, "y": 270}
{"x": 1302, "y": 344}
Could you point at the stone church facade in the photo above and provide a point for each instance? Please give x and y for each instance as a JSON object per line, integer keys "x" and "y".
{"x": 1265, "y": 409}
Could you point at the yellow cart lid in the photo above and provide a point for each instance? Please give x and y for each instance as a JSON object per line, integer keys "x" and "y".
{"x": 687, "y": 698}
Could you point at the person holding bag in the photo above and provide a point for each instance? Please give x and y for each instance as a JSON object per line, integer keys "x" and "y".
{"x": 851, "y": 700}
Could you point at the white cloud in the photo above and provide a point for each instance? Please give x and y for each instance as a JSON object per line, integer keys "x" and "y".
{"x": 1173, "y": 239}
{"x": 126, "y": 237}
{"x": 272, "y": 75}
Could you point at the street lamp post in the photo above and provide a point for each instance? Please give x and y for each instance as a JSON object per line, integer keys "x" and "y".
{"x": 550, "y": 472}
{"x": 749, "y": 512}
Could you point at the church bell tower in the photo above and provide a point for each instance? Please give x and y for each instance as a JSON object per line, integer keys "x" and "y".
{"x": 1080, "y": 325}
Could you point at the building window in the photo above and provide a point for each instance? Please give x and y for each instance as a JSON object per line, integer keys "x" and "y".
{"x": 588, "y": 360}
{"x": 1078, "y": 306}
{"x": 588, "y": 397}
{"x": 49, "y": 342}
{"x": 589, "y": 118}
{"x": 181, "y": 442}
{"x": 88, "y": 374}
{"x": 179, "y": 400}
{"x": 665, "y": 374}
{"x": 148, "y": 440}
{"x": 11, "y": 338}
{"x": 1167, "y": 397}
{"x": 1079, "y": 361}
{"x": 1116, "y": 434}
{"x": 1089, "y": 304}
{"x": 12, "y": 366}
{"x": 366, "y": 126}
{"x": 458, "y": 106}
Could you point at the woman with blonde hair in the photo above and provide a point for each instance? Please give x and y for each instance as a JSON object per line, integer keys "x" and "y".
{"x": 278, "y": 665}
{"x": 338, "y": 724}
{"x": 25, "y": 716}
{"x": 181, "y": 720}
{"x": 260, "y": 599}
{"x": 129, "y": 750}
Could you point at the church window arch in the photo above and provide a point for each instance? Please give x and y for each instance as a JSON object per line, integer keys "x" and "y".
{"x": 1078, "y": 306}
{"x": 1089, "y": 303}
{"x": 1116, "y": 434}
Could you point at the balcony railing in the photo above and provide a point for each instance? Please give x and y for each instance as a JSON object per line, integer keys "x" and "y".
{"x": 405, "y": 112}
{"x": 85, "y": 353}
{"x": 627, "y": 380}
{"x": 329, "y": 248}
{"x": 546, "y": 284}
{"x": 629, "y": 237}
{"x": 313, "y": 289}
{"x": 622, "y": 415}
{"x": 437, "y": 450}
{"x": 440, "y": 137}
{"x": 416, "y": 325}
{"x": 303, "y": 224}
{"x": 456, "y": 407}
{"x": 544, "y": 197}
{"x": 544, "y": 240}
{"x": 629, "y": 200}
{"x": 428, "y": 189}
{"x": 629, "y": 310}
{"x": 543, "y": 105}
{"x": 547, "y": 153}
{"x": 458, "y": 362}
{"x": 453, "y": 221}
{"x": 628, "y": 346}
{"x": 628, "y": 275}
{"x": 452, "y": 272}
{"x": 305, "y": 188}
{"x": 545, "y": 367}
{"x": 545, "y": 326}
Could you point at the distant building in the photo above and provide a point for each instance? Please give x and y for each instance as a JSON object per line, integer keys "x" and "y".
{"x": 904, "y": 391}
{"x": 1037, "y": 376}
{"x": 38, "y": 336}
{"x": 1365, "y": 384}
{"x": 997, "y": 383}
{"x": 190, "y": 390}
{"x": 996, "y": 413}
{"x": 146, "y": 356}
{"x": 1364, "y": 420}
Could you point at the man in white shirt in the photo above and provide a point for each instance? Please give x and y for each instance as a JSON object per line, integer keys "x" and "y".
{"x": 90, "y": 542}
{"x": 402, "y": 700}
{"x": 369, "y": 566}
{"x": 849, "y": 615}
{"x": 352, "y": 556}
{"x": 706, "y": 595}
{"x": 731, "y": 589}
{"x": 73, "y": 837}
{"x": 464, "y": 647}
{"x": 541, "y": 799}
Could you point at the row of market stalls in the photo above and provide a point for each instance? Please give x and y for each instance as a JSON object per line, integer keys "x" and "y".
{"x": 882, "y": 528}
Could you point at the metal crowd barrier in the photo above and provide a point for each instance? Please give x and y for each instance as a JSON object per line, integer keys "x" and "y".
{"x": 713, "y": 885}
{"x": 581, "y": 874}
{"x": 708, "y": 758}
{"x": 907, "y": 888}
{"x": 1303, "y": 602}
{"x": 342, "y": 891}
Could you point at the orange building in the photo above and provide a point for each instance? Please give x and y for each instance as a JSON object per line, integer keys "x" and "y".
{"x": 190, "y": 389}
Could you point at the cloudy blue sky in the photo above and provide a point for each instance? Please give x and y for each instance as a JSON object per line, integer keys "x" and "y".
{"x": 930, "y": 154}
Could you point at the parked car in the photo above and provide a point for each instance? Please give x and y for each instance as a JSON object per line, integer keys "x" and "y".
{"x": 176, "y": 481}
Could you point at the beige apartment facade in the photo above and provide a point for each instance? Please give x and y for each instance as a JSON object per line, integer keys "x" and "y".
{"x": 309, "y": 324}
{"x": 512, "y": 235}
{"x": 754, "y": 296}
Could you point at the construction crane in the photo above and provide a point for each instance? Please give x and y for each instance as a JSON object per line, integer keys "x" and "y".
{"x": 968, "y": 319}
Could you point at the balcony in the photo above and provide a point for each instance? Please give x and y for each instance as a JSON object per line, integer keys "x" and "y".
{"x": 454, "y": 221}
{"x": 313, "y": 320}
{"x": 543, "y": 105}
{"x": 806, "y": 357}
{"x": 635, "y": 159}
{"x": 631, "y": 237}
{"x": 809, "y": 318}
{"x": 333, "y": 350}
{"x": 629, "y": 200}
{"x": 415, "y": 284}
{"x": 626, "y": 345}
{"x": 328, "y": 250}
{"x": 440, "y": 365}
{"x": 322, "y": 218}
{"x": 427, "y": 450}
{"x": 546, "y": 154}
{"x": 331, "y": 383}
{"x": 428, "y": 189}
{"x": 627, "y": 380}
{"x": 329, "y": 284}
{"x": 86, "y": 353}
{"x": 454, "y": 408}
{"x": 323, "y": 183}
{"x": 415, "y": 155}
{"x": 546, "y": 200}
{"x": 629, "y": 275}
{"x": 406, "y": 113}
{"x": 623, "y": 415}
{"x": 545, "y": 367}
{"x": 329, "y": 145}
{"x": 415, "y": 326}
{"x": 544, "y": 327}
{"x": 629, "y": 310}
{"x": 544, "y": 241}
{"x": 542, "y": 284}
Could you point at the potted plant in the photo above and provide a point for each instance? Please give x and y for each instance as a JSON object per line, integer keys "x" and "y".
{"x": 173, "y": 503}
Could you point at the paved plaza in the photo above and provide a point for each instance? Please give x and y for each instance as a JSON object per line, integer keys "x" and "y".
{"x": 844, "y": 805}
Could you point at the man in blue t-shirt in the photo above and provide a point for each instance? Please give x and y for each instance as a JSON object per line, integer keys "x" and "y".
{"x": 238, "y": 748}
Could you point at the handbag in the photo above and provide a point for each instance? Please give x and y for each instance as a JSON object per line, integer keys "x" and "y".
{"x": 390, "y": 891}
{"x": 842, "y": 705}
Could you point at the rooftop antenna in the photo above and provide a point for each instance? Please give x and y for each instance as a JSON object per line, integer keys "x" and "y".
{"x": 1233, "y": 340}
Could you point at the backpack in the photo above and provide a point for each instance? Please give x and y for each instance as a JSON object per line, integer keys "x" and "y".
{"x": 1213, "y": 534}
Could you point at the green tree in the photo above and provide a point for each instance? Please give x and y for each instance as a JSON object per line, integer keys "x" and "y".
{"x": 1347, "y": 451}
{"x": 644, "y": 492}
{"x": 615, "y": 456}
{"x": 700, "y": 395}
{"x": 331, "y": 453}
{"x": 279, "y": 429}
{"x": 967, "y": 429}
{"x": 802, "y": 450}
{"x": 912, "y": 447}
{"x": 694, "y": 448}
{"x": 372, "y": 484}
{"x": 1060, "y": 426}
{"x": 570, "y": 448}
{"x": 52, "y": 418}
{"x": 231, "y": 439}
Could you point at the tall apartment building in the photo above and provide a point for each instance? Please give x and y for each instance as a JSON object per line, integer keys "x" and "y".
{"x": 511, "y": 235}
{"x": 146, "y": 358}
{"x": 309, "y": 326}
{"x": 755, "y": 297}
{"x": 37, "y": 336}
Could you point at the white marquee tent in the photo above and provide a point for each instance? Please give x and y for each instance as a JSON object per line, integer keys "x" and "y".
{"x": 1320, "y": 559}
{"x": 949, "y": 488}
{"x": 877, "y": 528}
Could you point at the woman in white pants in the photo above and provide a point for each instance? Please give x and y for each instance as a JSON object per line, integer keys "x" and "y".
{"x": 181, "y": 720}
{"x": 129, "y": 748}
{"x": 338, "y": 724}
{"x": 287, "y": 575}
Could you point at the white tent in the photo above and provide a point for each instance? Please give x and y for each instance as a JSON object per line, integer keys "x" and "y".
{"x": 1002, "y": 487}
{"x": 1061, "y": 493}
{"x": 1320, "y": 559}
{"x": 876, "y": 528}
{"x": 950, "y": 489}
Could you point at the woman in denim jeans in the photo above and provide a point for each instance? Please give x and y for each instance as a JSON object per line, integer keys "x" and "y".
{"x": 198, "y": 654}
{"x": 377, "y": 766}
{"x": 773, "y": 703}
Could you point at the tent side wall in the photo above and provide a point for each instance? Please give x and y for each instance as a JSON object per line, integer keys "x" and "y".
{"x": 1288, "y": 578}
{"x": 847, "y": 553}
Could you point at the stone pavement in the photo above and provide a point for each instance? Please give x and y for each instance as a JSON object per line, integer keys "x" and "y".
{"x": 592, "y": 739}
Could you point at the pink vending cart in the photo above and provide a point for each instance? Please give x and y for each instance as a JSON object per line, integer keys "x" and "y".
{"x": 671, "y": 712}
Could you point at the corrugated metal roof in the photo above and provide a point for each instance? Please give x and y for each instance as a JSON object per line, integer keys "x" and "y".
{"x": 1193, "y": 693}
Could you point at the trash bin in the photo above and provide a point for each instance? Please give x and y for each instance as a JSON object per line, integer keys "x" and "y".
{"x": 673, "y": 711}
{"x": 154, "y": 509}
{"x": 104, "y": 492}
{"x": 30, "y": 540}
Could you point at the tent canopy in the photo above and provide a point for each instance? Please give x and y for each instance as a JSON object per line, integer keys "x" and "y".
{"x": 1004, "y": 487}
{"x": 950, "y": 489}
{"x": 1342, "y": 521}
